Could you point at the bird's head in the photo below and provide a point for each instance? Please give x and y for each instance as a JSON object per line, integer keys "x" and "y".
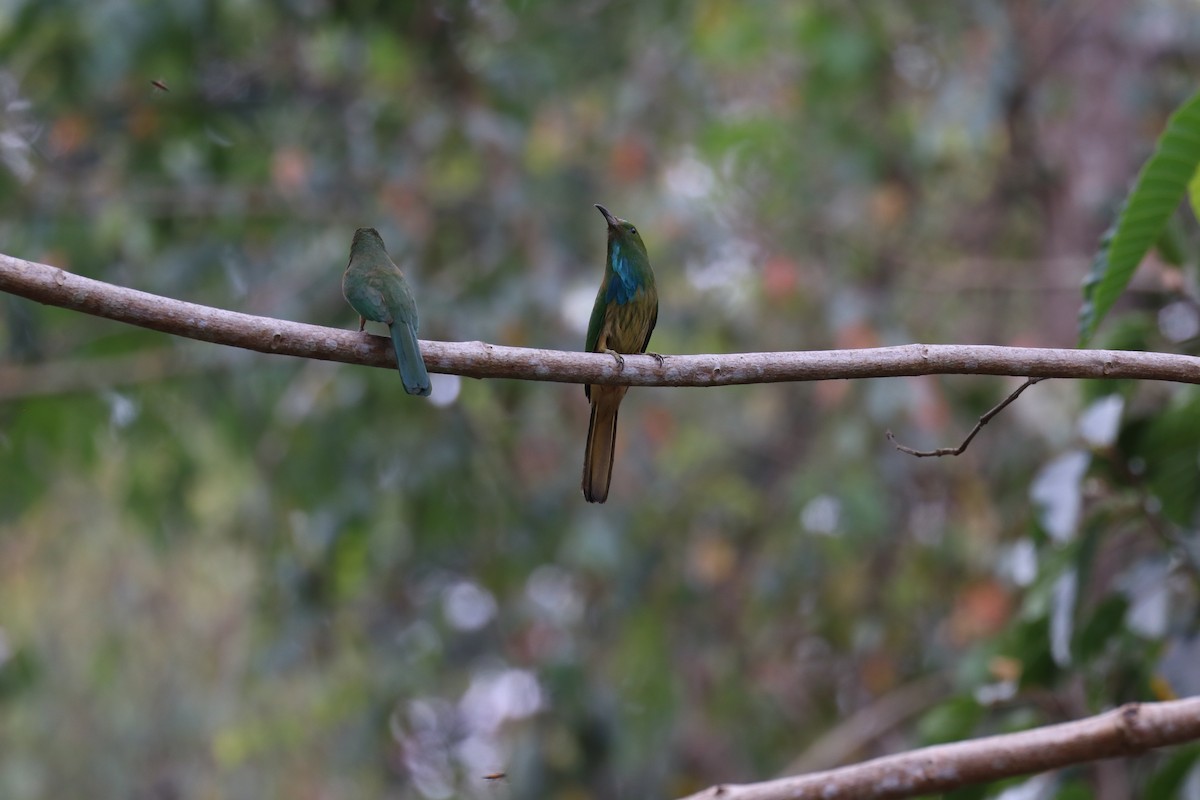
{"x": 622, "y": 230}
{"x": 366, "y": 237}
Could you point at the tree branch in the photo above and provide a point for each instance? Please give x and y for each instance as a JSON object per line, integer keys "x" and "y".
{"x": 984, "y": 420}
{"x": 54, "y": 286}
{"x": 868, "y": 724}
{"x": 108, "y": 372}
{"x": 1131, "y": 729}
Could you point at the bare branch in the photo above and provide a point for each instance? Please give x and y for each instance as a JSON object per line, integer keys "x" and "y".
{"x": 984, "y": 420}
{"x": 869, "y": 724}
{"x": 1131, "y": 729}
{"x": 54, "y": 286}
{"x": 108, "y": 372}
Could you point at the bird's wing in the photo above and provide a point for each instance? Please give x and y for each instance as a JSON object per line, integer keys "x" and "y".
{"x": 399, "y": 298}
{"x": 369, "y": 298}
{"x": 361, "y": 286}
{"x": 650, "y": 328}
{"x": 596, "y": 323}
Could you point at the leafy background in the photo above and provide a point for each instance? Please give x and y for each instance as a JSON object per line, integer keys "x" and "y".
{"x": 229, "y": 575}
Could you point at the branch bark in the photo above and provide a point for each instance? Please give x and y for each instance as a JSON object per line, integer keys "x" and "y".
{"x": 54, "y": 286}
{"x": 1131, "y": 729}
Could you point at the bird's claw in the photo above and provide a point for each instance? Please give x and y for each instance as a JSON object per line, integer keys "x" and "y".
{"x": 657, "y": 357}
{"x": 362, "y": 324}
{"x": 620, "y": 359}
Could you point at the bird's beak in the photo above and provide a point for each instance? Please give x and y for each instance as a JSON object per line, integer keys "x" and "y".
{"x": 612, "y": 221}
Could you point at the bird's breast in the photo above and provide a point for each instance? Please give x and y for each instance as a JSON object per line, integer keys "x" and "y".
{"x": 626, "y": 324}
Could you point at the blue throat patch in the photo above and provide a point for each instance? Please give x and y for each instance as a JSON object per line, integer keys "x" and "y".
{"x": 624, "y": 284}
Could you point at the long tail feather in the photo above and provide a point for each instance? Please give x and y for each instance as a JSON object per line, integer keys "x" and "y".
{"x": 601, "y": 442}
{"x": 408, "y": 357}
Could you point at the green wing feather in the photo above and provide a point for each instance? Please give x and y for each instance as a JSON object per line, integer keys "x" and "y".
{"x": 597, "y": 320}
{"x": 594, "y": 326}
{"x": 650, "y": 330}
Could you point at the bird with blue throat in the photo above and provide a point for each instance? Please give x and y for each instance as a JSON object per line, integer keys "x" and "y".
{"x": 622, "y": 320}
{"x": 375, "y": 287}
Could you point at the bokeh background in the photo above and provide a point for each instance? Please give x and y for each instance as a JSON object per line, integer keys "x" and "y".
{"x": 229, "y": 575}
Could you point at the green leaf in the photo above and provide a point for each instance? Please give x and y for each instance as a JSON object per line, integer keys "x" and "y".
{"x": 1105, "y": 623}
{"x": 20, "y": 671}
{"x": 1166, "y": 443}
{"x": 1075, "y": 790}
{"x": 952, "y": 720}
{"x": 1159, "y": 189}
{"x": 1194, "y": 194}
{"x": 1170, "y": 245}
{"x": 1169, "y": 778}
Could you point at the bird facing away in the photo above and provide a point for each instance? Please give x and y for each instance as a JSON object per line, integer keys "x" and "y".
{"x": 375, "y": 287}
{"x": 622, "y": 320}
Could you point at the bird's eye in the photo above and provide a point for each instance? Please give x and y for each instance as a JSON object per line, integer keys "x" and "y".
{"x": 632, "y": 229}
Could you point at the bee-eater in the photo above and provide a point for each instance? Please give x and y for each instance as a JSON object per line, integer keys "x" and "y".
{"x": 375, "y": 287}
{"x": 622, "y": 320}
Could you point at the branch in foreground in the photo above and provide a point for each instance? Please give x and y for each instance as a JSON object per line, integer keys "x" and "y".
{"x": 984, "y": 420}
{"x": 54, "y": 286}
{"x": 1131, "y": 729}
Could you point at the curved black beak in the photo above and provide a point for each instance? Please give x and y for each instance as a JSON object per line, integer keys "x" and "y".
{"x": 612, "y": 221}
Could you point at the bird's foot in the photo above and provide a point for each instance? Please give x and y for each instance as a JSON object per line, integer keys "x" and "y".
{"x": 657, "y": 357}
{"x": 362, "y": 324}
{"x": 620, "y": 359}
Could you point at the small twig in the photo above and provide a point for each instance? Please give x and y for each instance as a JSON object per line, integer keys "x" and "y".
{"x": 984, "y": 420}
{"x": 868, "y": 724}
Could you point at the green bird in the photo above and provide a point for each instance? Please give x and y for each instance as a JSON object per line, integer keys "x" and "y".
{"x": 622, "y": 320}
{"x": 375, "y": 287}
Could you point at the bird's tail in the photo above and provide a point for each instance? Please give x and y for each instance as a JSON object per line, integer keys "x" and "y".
{"x": 408, "y": 357}
{"x": 601, "y": 442}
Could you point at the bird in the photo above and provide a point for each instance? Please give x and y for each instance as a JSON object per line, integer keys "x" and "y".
{"x": 623, "y": 318}
{"x": 375, "y": 287}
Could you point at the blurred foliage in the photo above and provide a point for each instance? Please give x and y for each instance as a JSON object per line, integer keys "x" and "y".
{"x": 230, "y": 575}
{"x": 1170, "y": 173}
